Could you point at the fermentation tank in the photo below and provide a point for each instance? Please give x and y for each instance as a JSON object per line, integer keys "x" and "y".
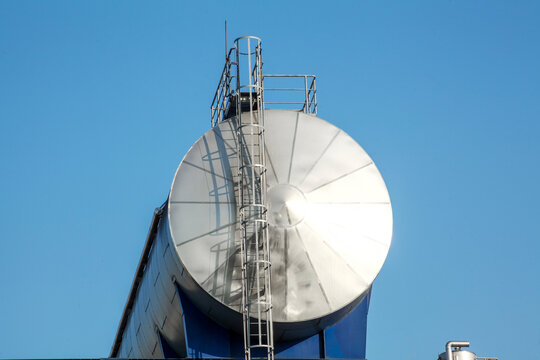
{"x": 322, "y": 214}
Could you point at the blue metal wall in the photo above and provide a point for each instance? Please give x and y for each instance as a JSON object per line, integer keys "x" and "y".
{"x": 206, "y": 339}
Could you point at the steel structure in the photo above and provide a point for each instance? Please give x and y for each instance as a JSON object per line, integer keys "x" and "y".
{"x": 246, "y": 97}
{"x": 251, "y": 205}
{"x": 301, "y": 96}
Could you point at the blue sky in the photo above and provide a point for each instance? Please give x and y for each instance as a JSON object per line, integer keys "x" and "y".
{"x": 99, "y": 101}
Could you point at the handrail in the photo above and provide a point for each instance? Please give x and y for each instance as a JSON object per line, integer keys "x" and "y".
{"x": 309, "y": 101}
{"x": 221, "y": 100}
{"x": 223, "y": 91}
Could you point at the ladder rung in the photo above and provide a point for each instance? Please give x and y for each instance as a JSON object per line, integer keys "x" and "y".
{"x": 257, "y": 262}
{"x": 265, "y": 303}
{"x": 253, "y": 205}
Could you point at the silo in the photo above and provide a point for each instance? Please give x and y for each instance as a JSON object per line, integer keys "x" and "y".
{"x": 276, "y": 225}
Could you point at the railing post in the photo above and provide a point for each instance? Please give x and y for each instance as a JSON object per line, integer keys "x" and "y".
{"x": 306, "y": 105}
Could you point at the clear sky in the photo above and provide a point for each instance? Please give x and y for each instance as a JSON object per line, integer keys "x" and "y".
{"x": 100, "y": 100}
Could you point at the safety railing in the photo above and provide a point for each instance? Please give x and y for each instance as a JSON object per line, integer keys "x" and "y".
{"x": 222, "y": 96}
{"x": 300, "y": 93}
{"x": 286, "y": 91}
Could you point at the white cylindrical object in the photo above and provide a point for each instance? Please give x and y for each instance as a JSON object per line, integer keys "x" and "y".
{"x": 330, "y": 222}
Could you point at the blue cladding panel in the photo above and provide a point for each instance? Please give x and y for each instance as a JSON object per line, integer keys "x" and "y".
{"x": 205, "y": 338}
{"x": 299, "y": 349}
{"x": 344, "y": 340}
{"x": 166, "y": 349}
{"x": 347, "y": 338}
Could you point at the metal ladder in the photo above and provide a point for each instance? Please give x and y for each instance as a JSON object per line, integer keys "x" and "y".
{"x": 252, "y": 209}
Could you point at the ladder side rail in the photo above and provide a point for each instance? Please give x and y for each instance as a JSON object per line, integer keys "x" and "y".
{"x": 262, "y": 306}
{"x": 254, "y": 196}
{"x": 243, "y": 250}
{"x": 266, "y": 253}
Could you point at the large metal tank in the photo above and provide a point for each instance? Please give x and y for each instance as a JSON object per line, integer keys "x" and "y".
{"x": 330, "y": 222}
{"x": 329, "y": 213}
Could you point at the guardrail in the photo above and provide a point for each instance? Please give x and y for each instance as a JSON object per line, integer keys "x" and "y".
{"x": 301, "y": 95}
{"x": 307, "y": 103}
